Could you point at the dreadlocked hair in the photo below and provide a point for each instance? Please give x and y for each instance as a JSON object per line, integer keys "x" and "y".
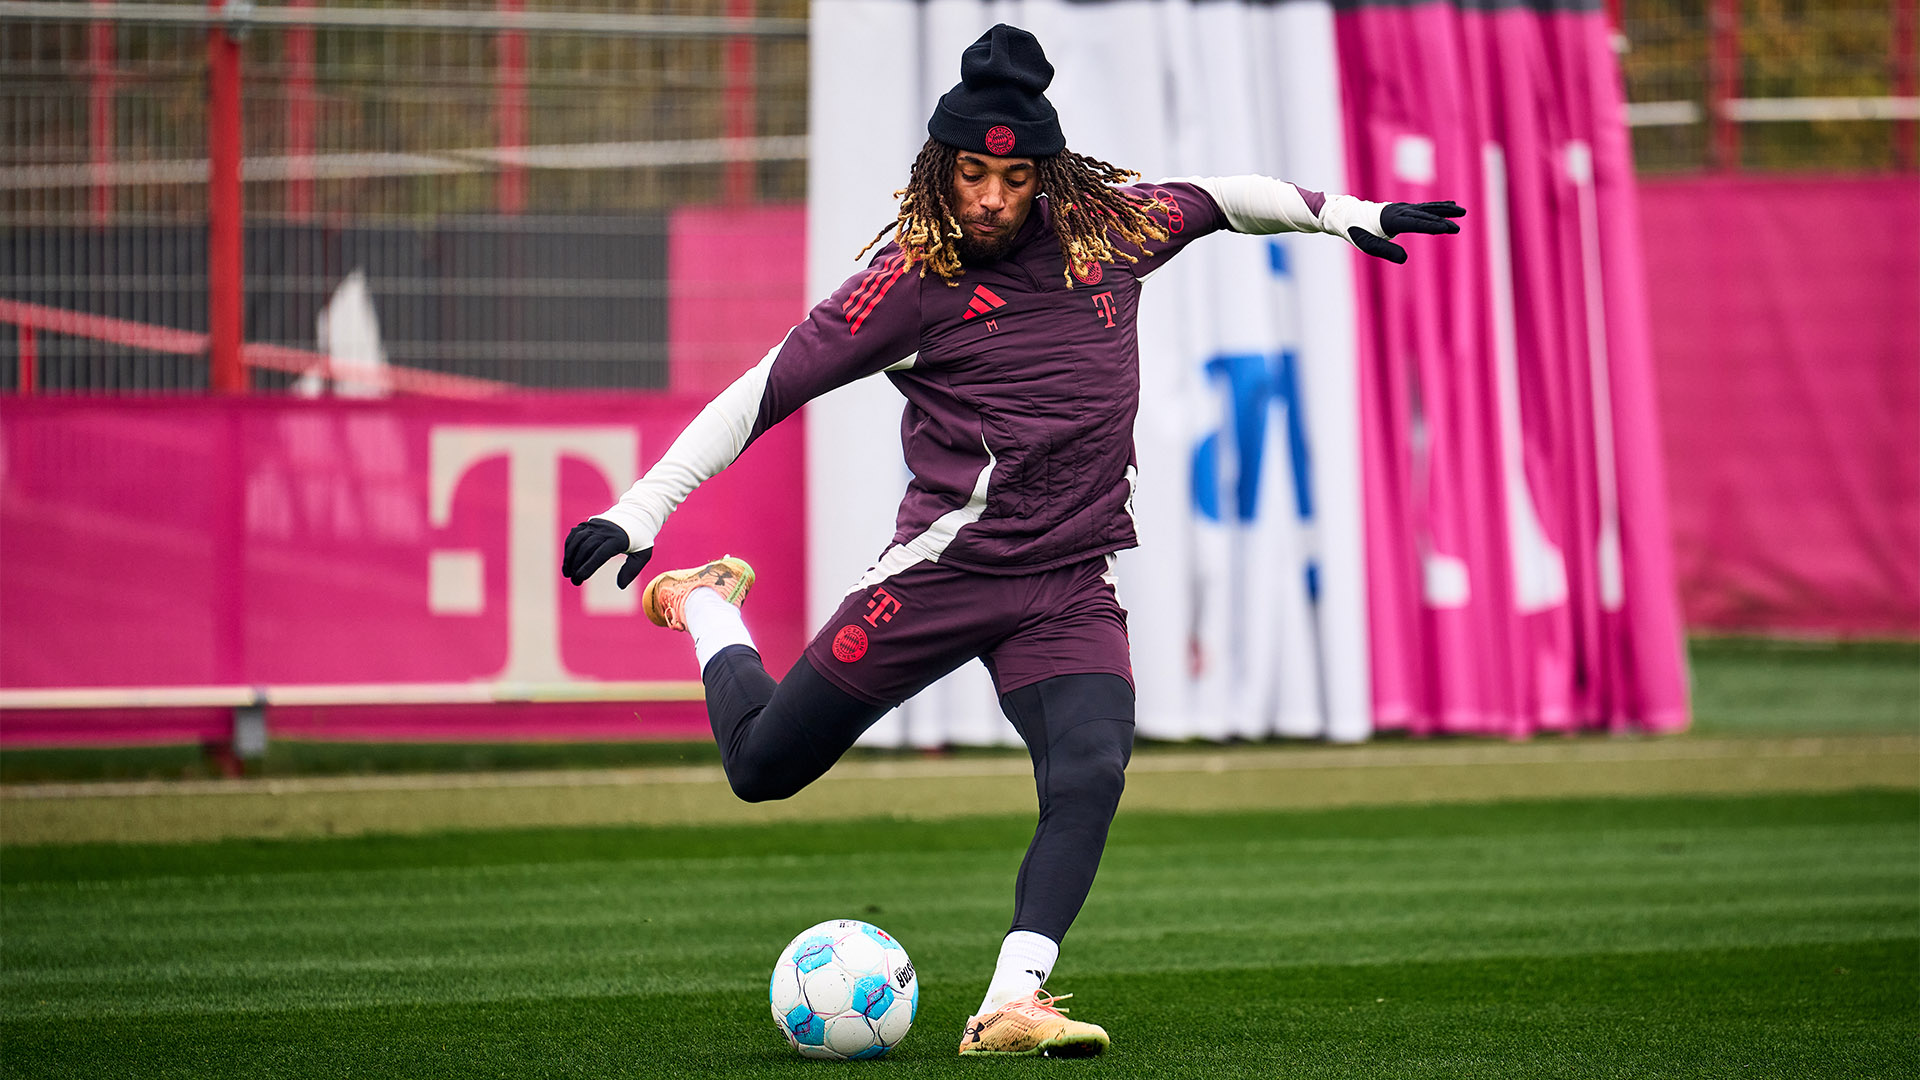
{"x": 1089, "y": 212}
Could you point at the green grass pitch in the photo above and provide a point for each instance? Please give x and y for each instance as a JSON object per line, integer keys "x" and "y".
{"x": 1765, "y": 936}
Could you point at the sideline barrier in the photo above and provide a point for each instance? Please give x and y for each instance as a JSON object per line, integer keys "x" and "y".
{"x": 109, "y": 697}
{"x": 1789, "y": 379}
{"x": 366, "y": 570}
{"x": 247, "y": 709}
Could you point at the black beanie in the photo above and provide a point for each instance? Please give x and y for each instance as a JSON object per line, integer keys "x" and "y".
{"x": 999, "y": 106}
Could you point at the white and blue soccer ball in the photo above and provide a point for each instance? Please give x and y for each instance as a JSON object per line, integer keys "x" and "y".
{"x": 844, "y": 990}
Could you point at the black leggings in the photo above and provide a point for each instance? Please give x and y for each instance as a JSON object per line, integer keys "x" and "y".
{"x": 776, "y": 738}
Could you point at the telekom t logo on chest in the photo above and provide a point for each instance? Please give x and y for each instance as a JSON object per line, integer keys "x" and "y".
{"x": 1103, "y": 306}
{"x": 456, "y": 577}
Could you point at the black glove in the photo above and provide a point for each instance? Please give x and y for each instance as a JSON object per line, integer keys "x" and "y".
{"x": 592, "y": 543}
{"x": 1399, "y": 217}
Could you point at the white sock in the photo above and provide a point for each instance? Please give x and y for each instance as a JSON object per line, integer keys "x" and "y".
{"x": 714, "y": 624}
{"x": 1026, "y": 959}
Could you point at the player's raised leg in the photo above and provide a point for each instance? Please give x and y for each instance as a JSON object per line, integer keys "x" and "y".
{"x": 774, "y": 738}
{"x": 1079, "y": 732}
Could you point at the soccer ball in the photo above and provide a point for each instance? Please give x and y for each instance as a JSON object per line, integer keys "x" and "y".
{"x": 844, "y": 990}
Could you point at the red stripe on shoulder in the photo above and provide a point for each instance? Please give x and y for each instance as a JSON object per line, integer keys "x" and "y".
{"x": 871, "y": 283}
{"x": 854, "y": 327}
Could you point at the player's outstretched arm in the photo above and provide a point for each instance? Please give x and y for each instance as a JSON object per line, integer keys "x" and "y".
{"x": 1399, "y": 217}
{"x": 1262, "y": 204}
{"x": 709, "y": 444}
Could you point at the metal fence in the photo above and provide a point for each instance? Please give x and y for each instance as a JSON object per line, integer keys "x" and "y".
{"x": 1809, "y": 85}
{"x": 384, "y": 110}
{"x": 502, "y": 174}
{"x": 505, "y": 173}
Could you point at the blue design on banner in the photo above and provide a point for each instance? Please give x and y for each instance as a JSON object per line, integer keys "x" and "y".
{"x": 1277, "y": 259}
{"x": 1248, "y": 391}
{"x": 1286, "y": 390}
{"x": 1206, "y": 477}
{"x": 1255, "y": 385}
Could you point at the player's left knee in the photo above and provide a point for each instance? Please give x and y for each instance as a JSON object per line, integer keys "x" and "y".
{"x": 1087, "y": 766}
{"x": 754, "y": 781}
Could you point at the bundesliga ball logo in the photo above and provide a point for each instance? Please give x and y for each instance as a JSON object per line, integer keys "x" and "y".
{"x": 1000, "y": 141}
{"x": 845, "y": 991}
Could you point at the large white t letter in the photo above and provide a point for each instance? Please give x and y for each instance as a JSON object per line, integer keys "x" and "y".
{"x": 533, "y": 506}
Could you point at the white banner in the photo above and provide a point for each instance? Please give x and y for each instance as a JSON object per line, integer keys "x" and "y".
{"x": 1247, "y": 595}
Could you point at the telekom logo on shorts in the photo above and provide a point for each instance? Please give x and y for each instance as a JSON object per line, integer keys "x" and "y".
{"x": 881, "y": 608}
{"x": 456, "y": 578}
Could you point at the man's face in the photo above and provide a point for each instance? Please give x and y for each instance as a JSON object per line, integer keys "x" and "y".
{"x": 991, "y": 196}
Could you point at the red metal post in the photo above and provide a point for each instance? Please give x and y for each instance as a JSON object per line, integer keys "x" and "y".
{"x": 1905, "y": 61}
{"x": 738, "y": 105}
{"x": 100, "y": 80}
{"x": 300, "y": 115}
{"x": 225, "y": 211}
{"x": 1724, "y": 84}
{"x": 511, "y": 107}
{"x": 29, "y": 360}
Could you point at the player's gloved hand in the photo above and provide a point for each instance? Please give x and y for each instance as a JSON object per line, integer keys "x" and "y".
{"x": 592, "y": 543}
{"x": 1397, "y": 218}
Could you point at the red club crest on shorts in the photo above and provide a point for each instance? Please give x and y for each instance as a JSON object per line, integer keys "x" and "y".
{"x": 849, "y": 644}
{"x": 1089, "y": 274}
{"x": 1000, "y": 141}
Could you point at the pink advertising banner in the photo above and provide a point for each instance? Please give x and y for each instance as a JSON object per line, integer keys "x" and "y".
{"x": 739, "y": 284}
{"x": 1519, "y": 571}
{"x": 1789, "y": 360}
{"x": 265, "y": 541}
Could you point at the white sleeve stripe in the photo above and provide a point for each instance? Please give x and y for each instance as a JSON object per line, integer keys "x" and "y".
{"x": 932, "y": 544}
{"x": 1261, "y": 204}
{"x": 892, "y": 561}
{"x": 710, "y": 443}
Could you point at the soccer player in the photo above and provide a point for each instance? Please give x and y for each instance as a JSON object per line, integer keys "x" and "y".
{"x": 1003, "y": 309}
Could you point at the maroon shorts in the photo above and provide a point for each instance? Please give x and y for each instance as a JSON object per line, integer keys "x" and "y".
{"x": 911, "y": 621}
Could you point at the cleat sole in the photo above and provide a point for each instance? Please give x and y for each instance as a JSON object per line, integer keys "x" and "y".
{"x": 1066, "y": 1046}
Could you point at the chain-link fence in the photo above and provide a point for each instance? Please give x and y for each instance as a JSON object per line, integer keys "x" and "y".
{"x": 503, "y": 175}
{"x": 379, "y": 111}
{"x": 506, "y": 175}
{"x": 1770, "y": 84}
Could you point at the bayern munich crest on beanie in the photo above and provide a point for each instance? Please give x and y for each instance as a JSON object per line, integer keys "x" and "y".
{"x": 1000, "y": 105}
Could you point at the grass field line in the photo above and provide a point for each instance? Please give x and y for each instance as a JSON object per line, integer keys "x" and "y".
{"x": 1187, "y": 780}
{"x": 1169, "y": 761}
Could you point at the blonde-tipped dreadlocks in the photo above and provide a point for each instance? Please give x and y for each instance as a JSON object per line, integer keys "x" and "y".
{"x": 1089, "y": 212}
